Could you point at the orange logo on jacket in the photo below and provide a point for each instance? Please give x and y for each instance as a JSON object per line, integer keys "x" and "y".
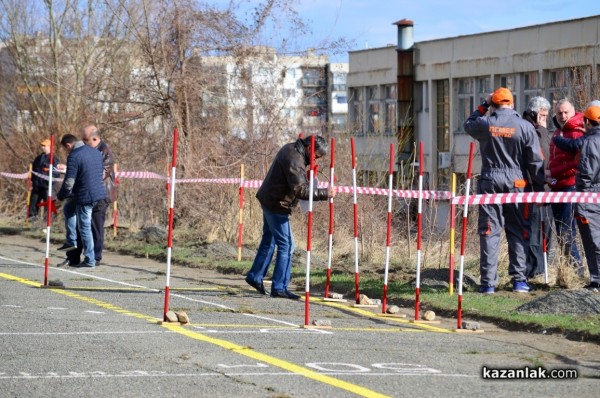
{"x": 503, "y": 132}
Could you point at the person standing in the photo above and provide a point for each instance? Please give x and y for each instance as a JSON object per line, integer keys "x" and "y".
{"x": 510, "y": 155}
{"x": 537, "y": 114}
{"x": 39, "y": 185}
{"x": 563, "y": 167}
{"x": 91, "y": 136}
{"x": 588, "y": 180}
{"x": 83, "y": 183}
{"x": 286, "y": 182}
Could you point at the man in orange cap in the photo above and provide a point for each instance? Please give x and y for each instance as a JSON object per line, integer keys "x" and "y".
{"x": 511, "y": 159}
{"x": 588, "y": 180}
{"x": 39, "y": 185}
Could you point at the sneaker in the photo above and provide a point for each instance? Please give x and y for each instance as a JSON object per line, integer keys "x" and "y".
{"x": 522, "y": 287}
{"x": 67, "y": 247}
{"x": 487, "y": 289}
{"x": 258, "y": 286}
{"x": 84, "y": 265}
{"x": 284, "y": 294}
{"x": 593, "y": 286}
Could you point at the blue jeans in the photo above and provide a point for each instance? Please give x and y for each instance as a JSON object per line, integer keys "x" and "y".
{"x": 70, "y": 213}
{"x": 564, "y": 220}
{"x": 84, "y": 224}
{"x": 277, "y": 231}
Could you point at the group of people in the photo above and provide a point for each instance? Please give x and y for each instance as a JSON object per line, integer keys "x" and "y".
{"x": 519, "y": 154}
{"x": 88, "y": 187}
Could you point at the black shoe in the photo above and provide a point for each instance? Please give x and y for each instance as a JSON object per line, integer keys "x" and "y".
{"x": 67, "y": 247}
{"x": 284, "y": 294}
{"x": 258, "y": 286}
{"x": 63, "y": 263}
{"x": 593, "y": 286}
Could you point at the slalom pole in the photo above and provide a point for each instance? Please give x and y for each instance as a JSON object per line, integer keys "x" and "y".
{"x": 452, "y": 234}
{"x": 419, "y": 232}
{"x": 29, "y": 187}
{"x": 544, "y": 245}
{"x": 171, "y": 212}
{"x": 49, "y": 211}
{"x": 388, "y": 239}
{"x": 115, "y": 209}
{"x": 463, "y": 238}
{"x": 311, "y": 177}
{"x": 241, "y": 213}
{"x": 355, "y": 207}
{"x": 331, "y": 220}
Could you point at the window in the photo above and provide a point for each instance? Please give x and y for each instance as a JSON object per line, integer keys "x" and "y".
{"x": 466, "y": 103}
{"x": 558, "y": 84}
{"x": 390, "y": 109}
{"x": 373, "y": 118}
{"x": 442, "y": 127}
{"x": 530, "y": 86}
{"x": 356, "y": 111}
{"x": 341, "y": 99}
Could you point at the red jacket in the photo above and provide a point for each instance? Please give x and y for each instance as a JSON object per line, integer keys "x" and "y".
{"x": 562, "y": 164}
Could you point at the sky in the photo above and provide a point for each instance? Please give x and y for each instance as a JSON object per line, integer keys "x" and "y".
{"x": 369, "y": 23}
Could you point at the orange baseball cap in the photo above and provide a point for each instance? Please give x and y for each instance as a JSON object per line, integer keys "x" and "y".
{"x": 45, "y": 142}
{"x": 592, "y": 113}
{"x": 502, "y": 96}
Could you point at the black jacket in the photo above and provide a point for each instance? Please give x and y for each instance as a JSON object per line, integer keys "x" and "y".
{"x": 41, "y": 165}
{"x": 286, "y": 180}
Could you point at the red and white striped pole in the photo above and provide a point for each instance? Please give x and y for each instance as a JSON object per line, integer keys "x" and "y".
{"x": 171, "y": 213}
{"x": 452, "y": 234}
{"x": 331, "y": 219}
{"x": 544, "y": 244}
{"x": 355, "y": 207}
{"x": 419, "y": 232}
{"x": 49, "y": 211}
{"x": 115, "y": 208}
{"x": 241, "y": 213}
{"x": 388, "y": 240}
{"x": 311, "y": 177}
{"x": 463, "y": 238}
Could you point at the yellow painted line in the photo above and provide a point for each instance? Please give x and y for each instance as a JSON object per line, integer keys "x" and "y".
{"x": 150, "y": 290}
{"x": 289, "y": 366}
{"x": 367, "y": 329}
{"x": 373, "y": 315}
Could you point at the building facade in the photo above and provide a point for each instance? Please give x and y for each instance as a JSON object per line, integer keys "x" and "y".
{"x": 450, "y": 77}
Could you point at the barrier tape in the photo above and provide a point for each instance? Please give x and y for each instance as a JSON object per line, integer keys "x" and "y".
{"x": 483, "y": 199}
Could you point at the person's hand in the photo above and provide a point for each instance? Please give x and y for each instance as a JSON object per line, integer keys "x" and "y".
{"x": 61, "y": 166}
{"x": 542, "y": 119}
{"x": 488, "y": 99}
{"x": 331, "y": 191}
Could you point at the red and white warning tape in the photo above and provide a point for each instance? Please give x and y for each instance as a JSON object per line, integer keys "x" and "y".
{"x": 497, "y": 198}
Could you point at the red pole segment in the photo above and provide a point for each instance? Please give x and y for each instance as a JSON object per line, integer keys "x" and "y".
{"x": 49, "y": 211}
{"x": 452, "y": 234}
{"x": 311, "y": 177}
{"x": 241, "y": 213}
{"x": 171, "y": 188}
{"x": 331, "y": 220}
{"x": 388, "y": 239}
{"x": 463, "y": 238}
{"x": 419, "y": 232}
{"x": 544, "y": 245}
{"x": 355, "y": 207}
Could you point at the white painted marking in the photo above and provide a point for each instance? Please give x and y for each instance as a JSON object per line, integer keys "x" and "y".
{"x": 56, "y": 308}
{"x": 96, "y": 312}
{"x": 80, "y": 333}
{"x": 257, "y": 365}
{"x": 12, "y": 306}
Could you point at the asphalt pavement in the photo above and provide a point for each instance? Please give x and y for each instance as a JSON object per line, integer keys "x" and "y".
{"x": 102, "y": 336}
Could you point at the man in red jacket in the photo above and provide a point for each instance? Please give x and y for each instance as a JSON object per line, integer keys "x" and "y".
{"x": 563, "y": 167}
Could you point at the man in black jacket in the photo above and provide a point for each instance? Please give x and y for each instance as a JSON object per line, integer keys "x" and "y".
{"x": 286, "y": 182}
{"x": 39, "y": 185}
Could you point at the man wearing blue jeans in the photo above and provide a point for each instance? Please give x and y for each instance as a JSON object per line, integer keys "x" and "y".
{"x": 286, "y": 182}
{"x": 84, "y": 186}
